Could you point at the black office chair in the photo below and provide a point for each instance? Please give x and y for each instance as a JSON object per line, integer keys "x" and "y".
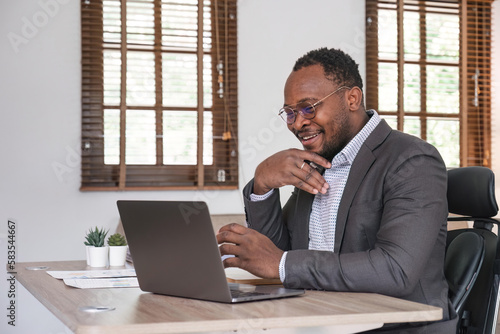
{"x": 464, "y": 257}
{"x": 472, "y": 264}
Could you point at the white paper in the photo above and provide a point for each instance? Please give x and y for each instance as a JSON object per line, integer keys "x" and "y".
{"x": 86, "y": 274}
{"x": 90, "y": 283}
{"x": 239, "y": 274}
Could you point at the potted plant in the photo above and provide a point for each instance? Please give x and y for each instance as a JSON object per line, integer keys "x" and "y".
{"x": 117, "y": 250}
{"x": 97, "y": 251}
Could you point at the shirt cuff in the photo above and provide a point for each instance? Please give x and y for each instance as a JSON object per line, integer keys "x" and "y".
{"x": 282, "y": 267}
{"x": 258, "y": 198}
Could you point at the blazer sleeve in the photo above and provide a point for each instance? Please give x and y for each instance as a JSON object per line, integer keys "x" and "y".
{"x": 266, "y": 217}
{"x": 406, "y": 226}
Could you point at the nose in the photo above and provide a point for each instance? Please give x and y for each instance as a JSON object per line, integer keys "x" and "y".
{"x": 300, "y": 122}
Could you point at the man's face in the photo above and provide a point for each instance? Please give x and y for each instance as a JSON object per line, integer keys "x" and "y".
{"x": 330, "y": 130}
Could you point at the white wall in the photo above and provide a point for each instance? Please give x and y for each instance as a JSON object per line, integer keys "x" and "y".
{"x": 40, "y": 112}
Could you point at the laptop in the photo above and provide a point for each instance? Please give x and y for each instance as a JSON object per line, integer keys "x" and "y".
{"x": 175, "y": 253}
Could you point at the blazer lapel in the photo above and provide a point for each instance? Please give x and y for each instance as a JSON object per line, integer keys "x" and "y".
{"x": 360, "y": 167}
{"x": 300, "y": 237}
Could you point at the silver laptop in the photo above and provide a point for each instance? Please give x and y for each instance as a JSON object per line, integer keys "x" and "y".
{"x": 175, "y": 252}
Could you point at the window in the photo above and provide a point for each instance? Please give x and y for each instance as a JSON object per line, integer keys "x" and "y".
{"x": 159, "y": 94}
{"x": 428, "y": 73}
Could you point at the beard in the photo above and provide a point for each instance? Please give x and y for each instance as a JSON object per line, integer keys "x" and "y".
{"x": 340, "y": 138}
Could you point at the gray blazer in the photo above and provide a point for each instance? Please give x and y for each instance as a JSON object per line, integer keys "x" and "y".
{"x": 391, "y": 225}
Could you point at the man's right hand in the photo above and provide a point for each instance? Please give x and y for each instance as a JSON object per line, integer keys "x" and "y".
{"x": 289, "y": 167}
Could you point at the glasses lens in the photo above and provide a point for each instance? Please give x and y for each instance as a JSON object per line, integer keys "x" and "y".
{"x": 306, "y": 109}
{"x": 288, "y": 115}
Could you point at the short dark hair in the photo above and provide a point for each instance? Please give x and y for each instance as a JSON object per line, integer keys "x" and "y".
{"x": 338, "y": 66}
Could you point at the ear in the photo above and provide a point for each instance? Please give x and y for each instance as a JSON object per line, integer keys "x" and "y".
{"x": 354, "y": 98}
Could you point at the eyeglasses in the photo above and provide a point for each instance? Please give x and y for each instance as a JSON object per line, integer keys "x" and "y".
{"x": 306, "y": 109}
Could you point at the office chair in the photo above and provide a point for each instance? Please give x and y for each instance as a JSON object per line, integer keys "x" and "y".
{"x": 472, "y": 264}
{"x": 464, "y": 257}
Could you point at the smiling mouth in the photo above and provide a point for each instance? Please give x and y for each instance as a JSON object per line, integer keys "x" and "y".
{"x": 310, "y": 136}
{"x": 307, "y": 137}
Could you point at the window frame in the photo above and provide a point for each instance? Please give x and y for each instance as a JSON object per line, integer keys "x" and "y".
{"x": 475, "y": 45}
{"x": 96, "y": 175}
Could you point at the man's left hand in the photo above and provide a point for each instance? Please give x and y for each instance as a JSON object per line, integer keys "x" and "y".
{"x": 253, "y": 251}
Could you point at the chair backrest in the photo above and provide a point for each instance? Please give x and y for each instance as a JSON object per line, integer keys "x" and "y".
{"x": 471, "y": 194}
{"x": 464, "y": 257}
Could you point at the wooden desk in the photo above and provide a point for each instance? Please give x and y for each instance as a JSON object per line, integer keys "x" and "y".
{"x": 140, "y": 312}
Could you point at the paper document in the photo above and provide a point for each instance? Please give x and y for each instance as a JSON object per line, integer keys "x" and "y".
{"x": 238, "y": 275}
{"x": 86, "y": 274}
{"x": 99, "y": 283}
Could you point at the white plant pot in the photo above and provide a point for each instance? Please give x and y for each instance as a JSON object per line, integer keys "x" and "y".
{"x": 87, "y": 252}
{"x": 98, "y": 256}
{"x": 117, "y": 255}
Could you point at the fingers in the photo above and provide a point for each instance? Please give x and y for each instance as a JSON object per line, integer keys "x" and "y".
{"x": 310, "y": 180}
{"x": 317, "y": 159}
{"x": 229, "y": 249}
{"x": 257, "y": 255}
{"x": 232, "y": 233}
{"x": 229, "y": 237}
{"x": 252, "y": 250}
{"x": 237, "y": 228}
{"x": 232, "y": 262}
{"x": 291, "y": 167}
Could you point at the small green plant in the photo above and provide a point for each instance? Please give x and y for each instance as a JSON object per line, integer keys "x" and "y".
{"x": 117, "y": 240}
{"x": 96, "y": 237}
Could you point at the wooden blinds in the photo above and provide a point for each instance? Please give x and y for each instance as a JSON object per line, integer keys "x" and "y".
{"x": 428, "y": 73}
{"x": 159, "y": 94}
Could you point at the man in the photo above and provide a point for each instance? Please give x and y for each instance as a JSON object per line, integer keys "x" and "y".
{"x": 373, "y": 221}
